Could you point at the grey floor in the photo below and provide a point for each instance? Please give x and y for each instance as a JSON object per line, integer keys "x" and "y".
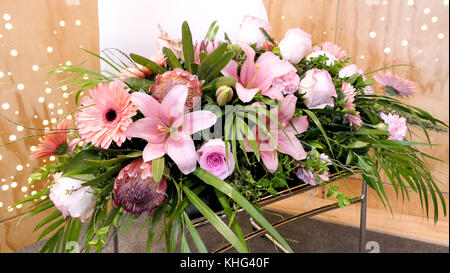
{"x": 305, "y": 236}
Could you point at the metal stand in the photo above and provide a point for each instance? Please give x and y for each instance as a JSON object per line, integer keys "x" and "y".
{"x": 362, "y": 223}
{"x": 289, "y": 193}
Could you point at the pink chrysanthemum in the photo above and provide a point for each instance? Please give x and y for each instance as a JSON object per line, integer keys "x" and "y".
{"x": 331, "y": 48}
{"x": 355, "y": 120}
{"x": 106, "y": 116}
{"x": 350, "y": 93}
{"x": 396, "y": 126}
{"x": 136, "y": 191}
{"x": 54, "y": 142}
{"x": 401, "y": 86}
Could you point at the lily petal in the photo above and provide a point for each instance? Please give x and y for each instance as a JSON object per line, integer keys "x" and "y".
{"x": 146, "y": 104}
{"x": 287, "y": 108}
{"x": 231, "y": 70}
{"x": 245, "y": 94}
{"x": 172, "y": 106}
{"x": 291, "y": 146}
{"x": 182, "y": 151}
{"x": 270, "y": 67}
{"x": 197, "y": 121}
{"x": 147, "y": 128}
{"x": 273, "y": 93}
{"x": 153, "y": 151}
{"x": 299, "y": 125}
{"x": 270, "y": 159}
{"x": 248, "y": 68}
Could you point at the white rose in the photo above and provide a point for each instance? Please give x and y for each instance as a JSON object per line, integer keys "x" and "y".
{"x": 295, "y": 44}
{"x": 349, "y": 71}
{"x": 331, "y": 59}
{"x": 71, "y": 198}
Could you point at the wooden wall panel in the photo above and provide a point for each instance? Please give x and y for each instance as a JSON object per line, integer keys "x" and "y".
{"x": 30, "y": 28}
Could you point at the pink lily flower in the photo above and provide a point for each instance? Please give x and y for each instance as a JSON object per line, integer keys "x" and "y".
{"x": 286, "y": 143}
{"x": 257, "y": 76}
{"x": 168, "y": 129}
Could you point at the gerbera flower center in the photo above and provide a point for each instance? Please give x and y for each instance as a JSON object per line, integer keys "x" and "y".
{"x": 111, "y": 115}
{"x": 62, "y": 148}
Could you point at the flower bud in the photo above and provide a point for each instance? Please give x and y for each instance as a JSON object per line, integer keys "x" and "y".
{"x": 224, "y": 94}
{"x": 381, "y": 126}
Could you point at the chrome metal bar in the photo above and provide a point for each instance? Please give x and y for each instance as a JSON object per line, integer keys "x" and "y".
{"x": 270, "y": 238}
{"x": 310, "y": 213}
{"x": 362, "y": 224}
{"x": 268, "y": 200}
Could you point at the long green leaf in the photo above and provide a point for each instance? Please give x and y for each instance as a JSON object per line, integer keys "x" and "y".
{"x": 241, "y": 201}
{"x": 194, "y": 235}
{"x": 154, "y": 67}
{"x": 158, "y": 168}
{"x": 221, "y": 227}
{"x": 188, "y": 47}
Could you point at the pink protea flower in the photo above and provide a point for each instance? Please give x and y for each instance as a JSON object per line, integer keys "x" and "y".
{"x": 168, "y": 129}
{"x": 136, "y": 191}
{"x": 396, "y": 126}
{"x": 54, "y": 142}
{"x": 285, "y": 143}
{"x": 401, "y": 86}
{"x": 169, "y": 79}
{"x": 105, "y": 116}
{"x": 260, "y": 76}
{"x": 331, "y": 48}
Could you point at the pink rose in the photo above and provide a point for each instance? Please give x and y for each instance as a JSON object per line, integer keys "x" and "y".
{"x": 318, "y": 89}
{"x": 212, "y": 158}
{"x": 250, "y": 32}
{"x": 289, "y": 82}
{"x": 295, "y": 44}
{"x": 396, "y": 126}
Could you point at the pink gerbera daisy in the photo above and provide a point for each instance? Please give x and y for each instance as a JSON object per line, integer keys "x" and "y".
{"x": 106, "y": 115}
{"x": 394, "y": 85}
{"x": 54, "y": 142}
{"x": 331, "y": 48}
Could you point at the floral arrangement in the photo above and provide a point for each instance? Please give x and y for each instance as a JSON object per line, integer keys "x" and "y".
{"x": 241, "y": 120}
